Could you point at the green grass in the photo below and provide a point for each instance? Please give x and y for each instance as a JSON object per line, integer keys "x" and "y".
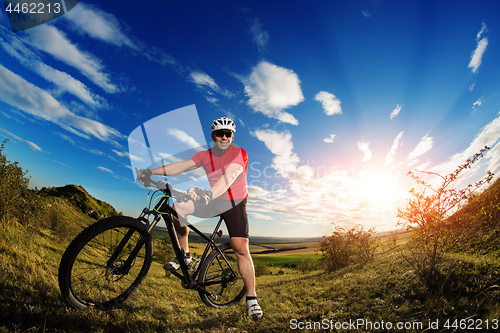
{"x": 383, "y": 289}
{"x": 387, "y": 289}
{"x": 285, "y": 260}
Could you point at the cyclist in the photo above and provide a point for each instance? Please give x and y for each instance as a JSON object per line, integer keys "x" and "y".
{"x": 226, "y": 167}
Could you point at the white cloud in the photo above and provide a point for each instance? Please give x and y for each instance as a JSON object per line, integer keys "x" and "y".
{"x": 396, "y": 111}
{"x": 105, "y": 169}
{"x": 422, "y": 147}
{"x": 30, "y": 144}
{"x": 208, "y": 84}
{"x": 185, "y": 138}
{"x": 260, "y": 37}
{"x": 389, "y": 158}
{"x": 128, "y": 155}
{"x": 60, "y": 163}
{"x": 366, "y": 13}
{"x": 494, "y": 163}
{"x": 477, "y": 55}
{"x": 169, "y": 157}
{"x": 482, "y": 32}
{"x": 302, "y": 193}
{"x": 286, "y": 161}
{"x": 477, "y": 103}
{"x": 330, "y": 103}
{"x": 281, "y": 145}
{"x": 105, "y": 27}
{"x": 49, "y": 39}
{"x": 272, "y": 89}
{"x": 136, "y": 158}
{"x": 489, "y": 136}
{"x": 260, "y": 216}
{"x": 98, "y": 24}
{"x": 21, "y": 94}
{"x": 364, "y": 147}
{"x": 204, "y": 80}
{"x": 330, "y": 138}
{"x": 65, "y": 82}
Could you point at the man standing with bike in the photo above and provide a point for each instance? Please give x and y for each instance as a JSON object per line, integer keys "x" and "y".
{"x": 226, "y": 167}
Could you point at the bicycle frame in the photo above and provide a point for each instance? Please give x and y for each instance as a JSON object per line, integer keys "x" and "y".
{"x": 163, "y": 209}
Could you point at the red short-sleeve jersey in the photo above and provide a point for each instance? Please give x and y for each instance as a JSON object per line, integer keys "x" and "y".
{"x": 215, "y": 164}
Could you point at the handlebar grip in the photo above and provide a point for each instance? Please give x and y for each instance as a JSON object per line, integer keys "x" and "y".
{"x": 147, "y": 177}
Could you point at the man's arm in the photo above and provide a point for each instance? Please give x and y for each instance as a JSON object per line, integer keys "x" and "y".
{"x": 175, "y": 168}
{"x": 226, "y": 180}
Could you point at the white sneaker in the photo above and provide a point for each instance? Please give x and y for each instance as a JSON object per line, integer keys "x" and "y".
{"x": 254, "y": 310}
{"x": 174, "y": 264}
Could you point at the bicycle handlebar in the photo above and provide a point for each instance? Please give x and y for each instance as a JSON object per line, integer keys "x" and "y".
{"x": 160, "y": 185}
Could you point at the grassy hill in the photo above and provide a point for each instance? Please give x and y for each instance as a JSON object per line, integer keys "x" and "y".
{"x": 384, "y": 290}
{"x": 82, "y": 200}
{"x": 477, "y": 226}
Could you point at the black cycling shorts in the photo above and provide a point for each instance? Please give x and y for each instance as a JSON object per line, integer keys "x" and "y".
{"x": 234, "y": 214}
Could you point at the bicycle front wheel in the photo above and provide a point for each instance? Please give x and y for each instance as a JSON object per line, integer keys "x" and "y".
{"x": 93, "y": 270}
{"x": 220, "y": 277}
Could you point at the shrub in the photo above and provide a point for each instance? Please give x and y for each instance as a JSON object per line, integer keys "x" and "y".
{"x": 344, "y": 247}
{"x": 307, "y": 265}
{"x": 17, "y": 202}
{"x": 427, "y": 215}
{"x": 262, "y": 269}
{"x": 58, "y": 226}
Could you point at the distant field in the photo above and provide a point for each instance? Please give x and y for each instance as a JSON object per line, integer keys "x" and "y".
{"x": 284, "y": 249}
{"x": 283, "y": 254}
{"x": 282, "y": 260}
{"x": 401, "y": 236}
{"x": 278, "y": 253}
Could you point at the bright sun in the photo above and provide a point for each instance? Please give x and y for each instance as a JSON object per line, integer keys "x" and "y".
{"x": 376, "y": 188}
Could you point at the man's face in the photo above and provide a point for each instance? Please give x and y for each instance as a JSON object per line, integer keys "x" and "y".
{"x": 222, "y": 139}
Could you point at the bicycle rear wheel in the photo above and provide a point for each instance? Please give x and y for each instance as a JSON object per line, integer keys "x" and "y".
{"x": 219, "y": 276}
{"x": 87, "y": 276}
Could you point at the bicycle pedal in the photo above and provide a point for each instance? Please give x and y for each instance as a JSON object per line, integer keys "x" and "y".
{"x": 194, "y": 264}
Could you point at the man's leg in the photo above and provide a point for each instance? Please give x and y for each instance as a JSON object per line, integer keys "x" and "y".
{"x": 183, "y": 209}
{"x": 241, "y": 248}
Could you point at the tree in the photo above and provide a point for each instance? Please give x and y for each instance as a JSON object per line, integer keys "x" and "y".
{"x": 426, "y": 214}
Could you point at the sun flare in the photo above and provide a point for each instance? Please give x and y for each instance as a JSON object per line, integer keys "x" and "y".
{"x": 377, "y": 188}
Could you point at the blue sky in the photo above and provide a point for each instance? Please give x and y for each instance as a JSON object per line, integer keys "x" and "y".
{"x": 334, "y": 101}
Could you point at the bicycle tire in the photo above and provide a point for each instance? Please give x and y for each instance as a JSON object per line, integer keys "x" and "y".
{"x": 226, "y": 288}
{"x": 86, "y": 280}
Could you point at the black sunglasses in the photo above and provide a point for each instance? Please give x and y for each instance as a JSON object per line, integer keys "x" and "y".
{"x": 221, "y": 133}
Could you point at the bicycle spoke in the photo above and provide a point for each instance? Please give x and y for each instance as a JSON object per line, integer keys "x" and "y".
{"x": 221, "y": 279}
{"x": 89, "y": 279}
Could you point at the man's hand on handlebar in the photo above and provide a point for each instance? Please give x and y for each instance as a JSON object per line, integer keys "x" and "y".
{"x": 144, "y": 174}
{"x": 198, "y": 194}
{"x": 194, "y": 193}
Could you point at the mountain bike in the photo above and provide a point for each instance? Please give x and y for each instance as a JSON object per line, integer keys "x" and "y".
{"x": 108, "y": 260}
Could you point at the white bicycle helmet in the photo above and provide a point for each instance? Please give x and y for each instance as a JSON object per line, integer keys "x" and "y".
{"x": 223, "y": 123}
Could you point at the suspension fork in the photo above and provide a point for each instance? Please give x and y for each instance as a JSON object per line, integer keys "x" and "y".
{"x": 125, "y": 268}
{"x": 119, "y": 248}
